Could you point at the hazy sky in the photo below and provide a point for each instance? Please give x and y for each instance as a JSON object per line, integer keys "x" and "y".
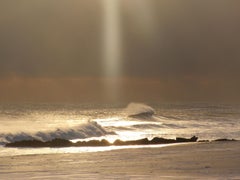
{"x": 178, "y": 50}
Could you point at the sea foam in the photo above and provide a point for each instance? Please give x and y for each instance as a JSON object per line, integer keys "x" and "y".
{"x": 86, "y": 130}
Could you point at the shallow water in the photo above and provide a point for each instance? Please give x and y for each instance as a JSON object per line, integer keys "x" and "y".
{"x": 217, "y": 160}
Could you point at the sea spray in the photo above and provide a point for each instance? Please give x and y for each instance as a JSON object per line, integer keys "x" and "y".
{"x": 86, "y": 130}
{"x": 139, "y": 110}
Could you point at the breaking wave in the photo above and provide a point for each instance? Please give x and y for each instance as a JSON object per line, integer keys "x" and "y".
{"x": 138, "y": 110}
{"x": 89, "y": 129}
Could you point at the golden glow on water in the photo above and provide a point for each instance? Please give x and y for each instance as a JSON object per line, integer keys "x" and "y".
{"x": 35, "y": 151}
{"x": 110, "y": 148}
{"x": 121, "y": 122}
{"x": 129, "y": 129}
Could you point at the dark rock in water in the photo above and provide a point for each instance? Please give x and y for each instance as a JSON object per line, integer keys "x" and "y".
{"x": 203, "y": 141}
{"x": 119, "y": 142}
{"x": 140, "y": 142}
{"x": 225, "y": 140}
{"x": 158, "y": 140}
{"x": 26, "y": 143}
{"x": 37, "y": 143}
{"x": 192, "y": 139}
{"x": 58, "y": 143}
{"x": 144, "y": 141}
{"x": 67, "y": 143}
{"x": 155, "y": 140}
{"x": 92, "y": 143}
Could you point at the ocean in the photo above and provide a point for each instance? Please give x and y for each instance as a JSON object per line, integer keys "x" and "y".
{"x": 84, "y": 122}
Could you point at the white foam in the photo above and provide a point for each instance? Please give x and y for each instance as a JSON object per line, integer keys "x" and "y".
{"x": 89, "y": 129}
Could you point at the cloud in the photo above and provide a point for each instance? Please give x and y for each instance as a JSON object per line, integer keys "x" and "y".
{"x": 190, "y": 48}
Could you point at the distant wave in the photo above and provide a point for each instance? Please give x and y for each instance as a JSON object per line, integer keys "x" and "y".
{"x": 138, "y": 110}
{"x": 89, "y": 129}
{"x": 148, "y": 126}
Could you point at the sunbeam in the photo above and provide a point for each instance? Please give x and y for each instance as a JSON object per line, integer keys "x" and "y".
{"x": 112, "y": 44}
{"x": 112, "y": 47}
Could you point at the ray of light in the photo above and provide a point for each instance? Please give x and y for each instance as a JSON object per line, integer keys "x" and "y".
{"x": 112, "y": 47}
{"x": 142, "y": 16}
{"x": 112, "y": 44}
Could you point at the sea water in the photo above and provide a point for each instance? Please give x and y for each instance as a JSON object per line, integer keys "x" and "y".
{"x": 83, "y": 122}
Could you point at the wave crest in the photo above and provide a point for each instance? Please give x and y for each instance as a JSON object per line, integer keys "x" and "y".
{"x": 90, "y": 129}
{"x": 138, "y": 110}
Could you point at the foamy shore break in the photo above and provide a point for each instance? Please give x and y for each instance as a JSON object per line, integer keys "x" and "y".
{"x": 66, "y": 143}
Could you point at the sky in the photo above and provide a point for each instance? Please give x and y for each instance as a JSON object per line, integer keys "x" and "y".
{"x": 178, "y": 50}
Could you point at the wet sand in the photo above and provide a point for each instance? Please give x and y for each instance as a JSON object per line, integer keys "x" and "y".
{"x": 184, "y": 161}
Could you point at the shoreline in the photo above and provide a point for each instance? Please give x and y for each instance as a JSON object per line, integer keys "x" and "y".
{"x": 183, "y": 161}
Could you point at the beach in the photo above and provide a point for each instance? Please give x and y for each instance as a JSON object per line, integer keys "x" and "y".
{"x": 119, "y": 89}
{"x": 214, "y": 160}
